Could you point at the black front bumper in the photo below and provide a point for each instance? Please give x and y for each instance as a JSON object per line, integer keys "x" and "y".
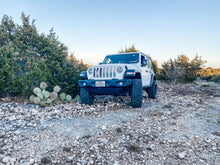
{"x": 111, "y": 87}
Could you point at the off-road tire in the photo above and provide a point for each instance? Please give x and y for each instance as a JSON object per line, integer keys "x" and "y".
{"x": 152, "y": 91}
{"x": 86, "y": 97}
{"x": 136, "y": 93}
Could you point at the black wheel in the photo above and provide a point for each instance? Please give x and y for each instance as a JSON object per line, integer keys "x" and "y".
{"x": 152, "y": 91}
{"x": 85, "y": 96}
{"x": 136, "y": 93}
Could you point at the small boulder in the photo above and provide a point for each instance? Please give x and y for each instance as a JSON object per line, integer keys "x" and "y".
{"x": 6, "y": 159}
{"x": 181, "y": 155}
{"x": 45, "y": 160}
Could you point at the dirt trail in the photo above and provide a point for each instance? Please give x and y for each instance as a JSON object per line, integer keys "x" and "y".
{"x": 181, "y": 126}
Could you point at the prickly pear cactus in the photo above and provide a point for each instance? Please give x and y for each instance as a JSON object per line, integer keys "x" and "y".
{"x": 56, "y": 89}
{"x": 43, "y": 103}
{"x": 46, "y": 94}
{"x": 36, "y": 100}
{"x": 45, "y": 98}
{"x": 32, "y": 98}
{"x": 58, "y": 102}
{"x": 43, "y": 85}
{"x": 49, "y": 101}
{"x": 53, "y": 96}
{"x": 62, "y": 96}
{"x": 37, "y": 91}
{"x": 68, "y": 98}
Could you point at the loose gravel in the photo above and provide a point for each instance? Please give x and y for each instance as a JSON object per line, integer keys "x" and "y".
{"x": 181, "y": 126}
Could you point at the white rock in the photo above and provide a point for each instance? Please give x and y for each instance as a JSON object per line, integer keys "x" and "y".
{"x": 116, "y": 163}
{"x": 70, "y": 158}
{"x": 31, "y": 161}
{"x": 12, "y": 160}
{"x": 181, "y": 155}
{"x": 12, "y": 118}
{"x": 103, "y": 127}
{"x": 91, "y": 162}
{"x": 6, "y": 159}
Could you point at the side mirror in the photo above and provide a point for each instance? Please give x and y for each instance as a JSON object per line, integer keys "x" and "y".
{"x": 100, "y": 63}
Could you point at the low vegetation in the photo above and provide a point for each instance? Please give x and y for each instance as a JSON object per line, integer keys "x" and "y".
{"x": 210, "y": 74}
{"x": 182, "y": 69}
{"x": 46, "y": 98}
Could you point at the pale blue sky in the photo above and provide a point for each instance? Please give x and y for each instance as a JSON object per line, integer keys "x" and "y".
{"x": 93, "y": 28}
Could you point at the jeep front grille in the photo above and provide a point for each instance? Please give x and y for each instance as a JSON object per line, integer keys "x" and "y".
{"x": 105, "y": 72}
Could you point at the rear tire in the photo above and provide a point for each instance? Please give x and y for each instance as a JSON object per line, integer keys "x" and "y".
{"x": 86, "y": 97}
{"x": 152, "y": 91}
{"x": 136, "y": 93}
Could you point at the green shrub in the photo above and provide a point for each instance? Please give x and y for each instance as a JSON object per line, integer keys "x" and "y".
{"x": 28, "y": 58}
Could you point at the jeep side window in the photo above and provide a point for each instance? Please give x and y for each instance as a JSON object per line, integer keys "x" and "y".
{"x": 143, "y": 61}
{"x": 150, "y": 64}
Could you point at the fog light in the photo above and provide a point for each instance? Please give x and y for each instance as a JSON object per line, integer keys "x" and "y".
{"x": 84, "y": 84}
{"x": 121, "y": 83}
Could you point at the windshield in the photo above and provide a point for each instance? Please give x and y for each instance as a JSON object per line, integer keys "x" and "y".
{"x": 122, "y": 58}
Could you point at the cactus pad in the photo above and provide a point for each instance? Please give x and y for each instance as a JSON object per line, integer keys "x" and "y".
{"x": 68, "y": 98}
{"x": 46, "y": 94}
{"x": 43, "y": 85}
{"x": 56, "y": 89}
{"x": 53, "y": 96}
{"x": 43, "y": 104}
{"x": 32, "y": 98}
{"x": 62, "y": 96}
{"x": 49, "y": 101}
{"x": 58, "y": 102}
{"x": 37, "y": 90}
{"x": 36, "y": 100}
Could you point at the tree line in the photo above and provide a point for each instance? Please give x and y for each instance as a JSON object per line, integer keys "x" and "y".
{"x": 28, "y": 58}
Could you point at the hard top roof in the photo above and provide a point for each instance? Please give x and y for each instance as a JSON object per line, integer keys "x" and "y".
{"x": 127, "y": 53}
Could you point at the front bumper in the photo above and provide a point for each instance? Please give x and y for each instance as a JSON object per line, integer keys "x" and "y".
{"x": 105, "y": 83}
{"x": 107, "y": 87}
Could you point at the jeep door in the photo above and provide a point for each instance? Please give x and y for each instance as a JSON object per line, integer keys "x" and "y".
{"x": 150, "y": 71}
{"x": 145, "y": 71}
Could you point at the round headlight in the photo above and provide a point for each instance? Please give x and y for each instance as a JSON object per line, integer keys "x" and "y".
{"x": 90, "y": 70}
{"x": 119, "y": 69}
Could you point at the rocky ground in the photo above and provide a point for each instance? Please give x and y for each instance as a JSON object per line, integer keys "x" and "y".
{"x": 181, "y": 126}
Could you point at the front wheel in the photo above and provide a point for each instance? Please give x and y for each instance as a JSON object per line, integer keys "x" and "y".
{"x": 136, "y": 93}
{"x": 152, "y": 91}
{"x": 85, "y": 96}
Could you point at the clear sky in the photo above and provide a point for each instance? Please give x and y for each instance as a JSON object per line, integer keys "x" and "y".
{"x": 93, "y": 28}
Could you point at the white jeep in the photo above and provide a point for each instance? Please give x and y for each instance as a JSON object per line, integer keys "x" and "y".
{"x": 119, "y": 75}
